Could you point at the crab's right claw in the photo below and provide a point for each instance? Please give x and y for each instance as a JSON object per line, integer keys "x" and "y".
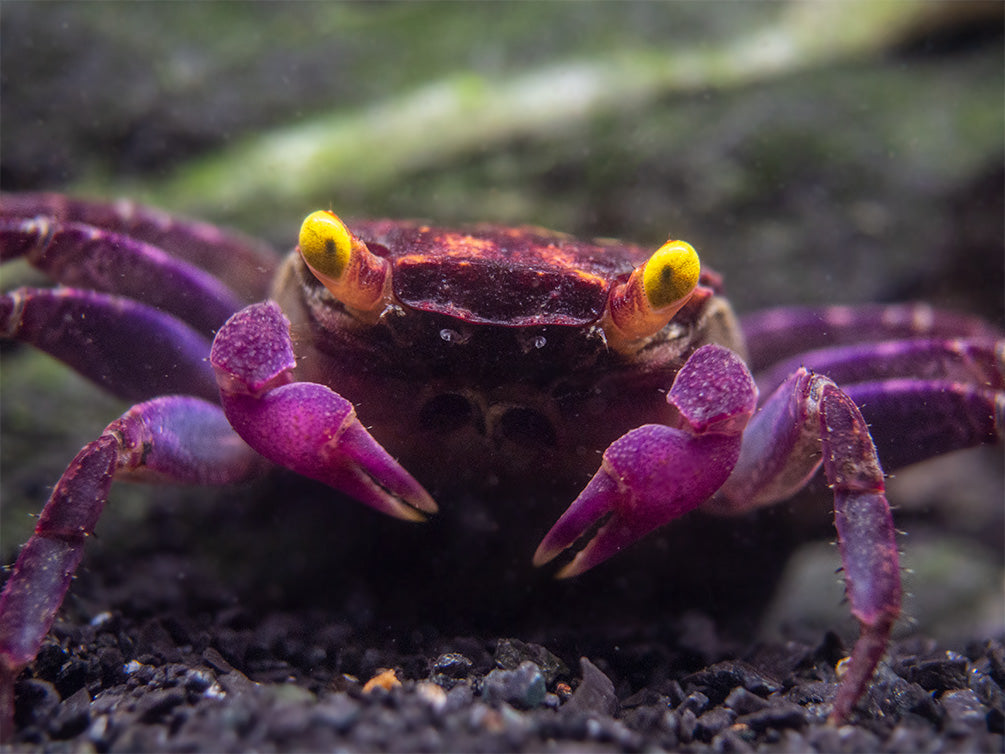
{"x": 656, "y": 473}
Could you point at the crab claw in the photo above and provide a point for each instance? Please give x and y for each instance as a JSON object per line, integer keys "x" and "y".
{"x": 303, "y": 426}
{"x": 656, "y": 473}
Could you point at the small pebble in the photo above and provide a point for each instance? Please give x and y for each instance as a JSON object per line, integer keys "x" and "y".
{"x": 938, "y": 674}
{"x": 711, "y": 722}
{"x": 778, "y": 715}
{"x": 743, "y": 702}
{"x": 452, "y": 665}
{"x": 510, "y": 653}
{"x": 595, "y": 693}
{"x": 524, "y": 687}
{"x": 432, "y": 694}
{"x": 339, "y": 710}
{"x": 73, "y": 715}
{"x": 385, "y": 679}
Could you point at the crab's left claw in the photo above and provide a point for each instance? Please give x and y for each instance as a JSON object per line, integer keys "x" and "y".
{"x": 303, "y": 426}
{"x": 657, "y": 473}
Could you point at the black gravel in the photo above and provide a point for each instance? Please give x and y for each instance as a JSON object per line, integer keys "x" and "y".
{"x": 298, "y": 682}
{"x": 156, "y": 651}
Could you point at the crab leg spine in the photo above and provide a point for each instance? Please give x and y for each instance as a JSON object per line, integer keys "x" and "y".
{"x": 134, "y": 351}
{"x": 86, "y": 257}
{"x": 243, "y": 263}
{"x": 178, "y": 439}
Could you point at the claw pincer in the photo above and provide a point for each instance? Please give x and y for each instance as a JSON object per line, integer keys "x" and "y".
{"x": 655, "y": 473}
{"x": 304, "y": 426}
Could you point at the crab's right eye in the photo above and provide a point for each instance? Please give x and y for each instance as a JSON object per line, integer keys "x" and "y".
{"x": 354, "y": 275}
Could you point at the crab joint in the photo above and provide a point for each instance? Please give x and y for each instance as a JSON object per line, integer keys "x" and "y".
{"x": 355, "y": 276}
{"x": 652, "y": 295}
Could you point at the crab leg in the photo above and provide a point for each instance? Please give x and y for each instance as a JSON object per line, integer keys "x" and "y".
{"x": 304, "y": 426}
{"x": 979, "y": 362}
{"x": 656, "y": 473}
{"x": 244, "y": 264}
{"x": 962, "y": 396}
{"x": 178, "y": 439}
{"x": 781, "y": 450}
{"x": 87, "y": 257}
{"x": 776, "y": 334}
{"x": 866, "y": 538}
{"x": 954, "y": 416}
{"x": 132, "y": 350}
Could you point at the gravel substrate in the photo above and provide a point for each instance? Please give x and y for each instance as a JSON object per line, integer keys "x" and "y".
{"x": 299, "y": 682}
{"x": 161, "y": 648}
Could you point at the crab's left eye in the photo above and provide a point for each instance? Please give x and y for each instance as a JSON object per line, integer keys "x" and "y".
{"x": 354, "y": 275}
{"x": 670, "y": 274}
{"x": 642, "y": 305}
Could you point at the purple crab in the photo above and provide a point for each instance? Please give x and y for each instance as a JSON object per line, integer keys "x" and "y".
{"x": 384, "y": 357}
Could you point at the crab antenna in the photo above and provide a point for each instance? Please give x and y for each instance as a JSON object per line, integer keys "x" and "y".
{"x": 355, "y": 276}
{"x": 654, "y": 292}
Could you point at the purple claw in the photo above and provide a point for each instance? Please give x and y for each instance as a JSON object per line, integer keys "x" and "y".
{"x": 305, "y": 427}
{"x": 313, "y": 431}
{"x": 655, "y": 473}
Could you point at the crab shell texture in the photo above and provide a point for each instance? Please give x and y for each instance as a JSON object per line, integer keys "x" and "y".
{"x": 490, "y": 370}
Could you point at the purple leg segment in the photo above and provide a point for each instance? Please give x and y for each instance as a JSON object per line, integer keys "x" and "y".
{"x": 806, "y": 421}
{"x": 303, "y": 426}
{"x": 920, "y": 397}
{"x": 866, "y": 537}
{"x": 655, "y": 473}
{"x": 914, "y": 420}
{"x": 972, "y": 361}
{"x": 244, "y": 264}
{"x": 132, "y": 350}
{"x": 781, "y": 448}
{"x": 178, "y": 439}
{"x": 776, "y": 334}
{"x": 86, "y": 257}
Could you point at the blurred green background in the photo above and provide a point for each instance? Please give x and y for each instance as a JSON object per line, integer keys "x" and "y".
{"x": 817, "y": 152}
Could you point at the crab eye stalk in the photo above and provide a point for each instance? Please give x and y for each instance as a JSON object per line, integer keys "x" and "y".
{"x": 345, "y": 266}
{"x": 643, "y": 305}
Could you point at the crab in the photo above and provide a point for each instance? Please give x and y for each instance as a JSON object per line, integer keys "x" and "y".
{"x": 384, "y": 358}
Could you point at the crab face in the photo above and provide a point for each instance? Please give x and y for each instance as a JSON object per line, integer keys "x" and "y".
{"x": 487, "y": 352}
{"x": 401, "y": 356}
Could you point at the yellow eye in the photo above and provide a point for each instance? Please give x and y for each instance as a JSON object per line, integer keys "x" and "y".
{"x": 671, "y": 274}
{"x": 354, "y": 275}
{"x": 325, "y": 243}
{"x": 652, "y": 295}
